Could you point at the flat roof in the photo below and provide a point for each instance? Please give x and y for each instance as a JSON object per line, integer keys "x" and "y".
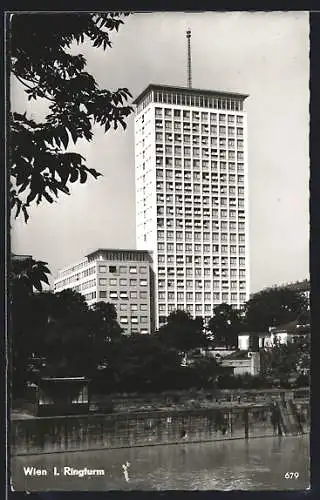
{"x": 145, "y": 252}
{"x": 154, "y": 86}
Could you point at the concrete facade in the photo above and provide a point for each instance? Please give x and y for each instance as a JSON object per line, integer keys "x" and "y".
{"x": 121, "y": 277}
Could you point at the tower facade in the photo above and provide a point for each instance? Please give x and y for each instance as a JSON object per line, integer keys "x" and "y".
{"x": 191, "y": 178}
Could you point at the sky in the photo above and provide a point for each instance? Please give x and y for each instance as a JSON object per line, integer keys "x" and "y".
{"x": 265, "y": 55}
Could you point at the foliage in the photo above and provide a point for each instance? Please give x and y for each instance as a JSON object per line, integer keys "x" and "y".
{"x": 284, "y": 361}
{"x": 28, "y": 274}
{"x": 41, "y": 60}
{"x": 57, "y": 334}
{"x": 182, "y": 332}
{"x": 225, "y": 325}
{"x": 143, "y": 362}
{"x": 273, "y": 307}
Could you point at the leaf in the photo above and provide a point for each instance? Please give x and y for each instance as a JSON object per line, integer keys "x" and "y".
{"x": 83, "y": 176}
{"x": 74, "y": 175}
{"x": 47, "y": 197}
{"x": 64, "y": 137}
{"x": 31, "y": 197}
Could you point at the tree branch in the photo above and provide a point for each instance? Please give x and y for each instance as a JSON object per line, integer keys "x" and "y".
{"x": 32, "y": 88}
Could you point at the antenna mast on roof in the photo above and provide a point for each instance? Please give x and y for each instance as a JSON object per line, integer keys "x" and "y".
{"x": 189, "y": 57}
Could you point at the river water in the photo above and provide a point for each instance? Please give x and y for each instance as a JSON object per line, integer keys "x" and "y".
{"x": 256, "y": 464}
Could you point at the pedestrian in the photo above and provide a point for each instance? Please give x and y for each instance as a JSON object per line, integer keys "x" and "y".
{"x": 184, "y": 434}
{"x": 125, "y": 468}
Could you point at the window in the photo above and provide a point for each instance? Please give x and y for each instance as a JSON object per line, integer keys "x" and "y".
{"x": 143, "y": 319}
{"x": 123, "y": 281}
{"x": 134, "y": 307}
{"x": 134, "y": 319}
{"x": 143, "y": 269}
{"x": 133, "y": 269}
{"x": 133, "y": 282}
{"x": 102, "y": 281}
{"x": 123, "y": 269}
{"x": 123, "y": 320}
{"x": 113, "y": 295}
{"x": 143, "y": 282}
{"x": 123, "y": 295}
{"x": 113, "y": 281}
{"x": 143, "y": 307}
{"x": 102, "y": 269}
{"x": 103, "y": 294}
{"x": 112, "y": 269}
{"x": 143, "y": 294}
{"x": 123, "y": 307}
{"x": 133, "y": 294}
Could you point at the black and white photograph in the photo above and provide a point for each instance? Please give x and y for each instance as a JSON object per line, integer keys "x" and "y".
{"x": 158, "y": 281}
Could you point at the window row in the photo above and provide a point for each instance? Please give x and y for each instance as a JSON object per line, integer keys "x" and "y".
{"x": 197, "y": 152}
{"x": 204, "y": 130}
{"x": 197, "y": 260}
{"x": 90, "y": 296}
{"x": 196, "y": 164}
{"x": 191, "y": 284}
{"x": 122, "y": 293}
{"x": 189, "y": 296}
{"x": 208, "y": 308}
{"x": 75, "y": 277}
{"x": 195, "y": 236}
{"x": 204, "y": 284}
{"x": 191, "y": 99}
{"x": 194, "y": 224}
{"x": 133, "y": 319}
{"x": 103, "y": 268}
{"x": 187, "y": 176}
{"x": 224, "y": 226}
{"x": 196, "y": 115}
{"x": 124, "y": 306}
{"x": 196, "y": 140}
{"x": 122, "y": 282}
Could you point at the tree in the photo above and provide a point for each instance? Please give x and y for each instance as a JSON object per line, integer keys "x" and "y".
{"x": 51, "y": 336}
{"x": 283, "y": 361}
{"x": 143, "y": 363}
{"x": 42, "y": 166}
{"x": 182, "y": 332}
{"x": 104, "y": 331}
{"x": 103, "y": 322}
{"x": 273, "y": 307}
{"x": 225, "y": 325}
{"x": 27, "y": 274}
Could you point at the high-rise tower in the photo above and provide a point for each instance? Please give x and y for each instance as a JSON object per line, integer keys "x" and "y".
{"x": 192, "y": 196}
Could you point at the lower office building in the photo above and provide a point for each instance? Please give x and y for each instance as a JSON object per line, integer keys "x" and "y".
{"x": 121, "y": 277}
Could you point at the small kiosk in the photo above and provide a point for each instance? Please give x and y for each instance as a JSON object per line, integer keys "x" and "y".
{"x": 63, "y": 396}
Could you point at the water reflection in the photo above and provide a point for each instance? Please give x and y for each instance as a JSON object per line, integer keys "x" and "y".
{"x": 259, "y": 463}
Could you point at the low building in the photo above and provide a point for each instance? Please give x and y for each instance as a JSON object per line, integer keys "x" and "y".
{"x": 252, "y": 341}
{"x": 289, "y": 332}
{"x": 121, "y": 277}
{"x": 242, "y": 362}
{"x": 20, "y": 257}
